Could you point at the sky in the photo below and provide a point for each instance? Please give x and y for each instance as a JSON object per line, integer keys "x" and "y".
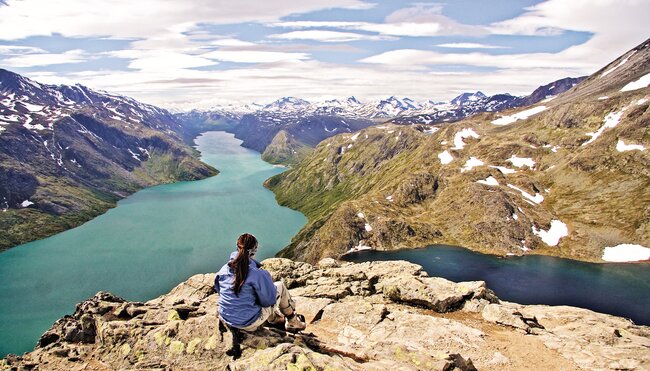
{"x": 197, "y": 54}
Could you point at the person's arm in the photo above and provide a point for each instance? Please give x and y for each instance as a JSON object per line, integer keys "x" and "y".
{"x": 216, "y": 284}
{"x": 264, "y": 288}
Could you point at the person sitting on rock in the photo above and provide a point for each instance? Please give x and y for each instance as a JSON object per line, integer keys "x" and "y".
{"x": 248, "y": 297}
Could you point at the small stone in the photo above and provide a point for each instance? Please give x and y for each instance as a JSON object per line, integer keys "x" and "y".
{"x": 328, "y": 263}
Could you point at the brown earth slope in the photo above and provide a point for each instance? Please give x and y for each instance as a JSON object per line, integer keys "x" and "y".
{"x": 561, "y": 182}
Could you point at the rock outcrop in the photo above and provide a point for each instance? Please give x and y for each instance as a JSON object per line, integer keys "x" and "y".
{"x": 369, "y": 316}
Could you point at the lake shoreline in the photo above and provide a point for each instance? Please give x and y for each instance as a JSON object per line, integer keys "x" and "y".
{"x": 619, "y": 289}
{"x": 501, "y": 256}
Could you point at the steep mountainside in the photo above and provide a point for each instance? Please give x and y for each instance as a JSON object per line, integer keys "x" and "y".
{"x": 368, "y": 316}
{"x": 285, "y": 149}
{"x": 68, "y": 153}
{"x": 568, "y": 177}
{"x": 196, "y": 122}
{"x": 259, "y": 130}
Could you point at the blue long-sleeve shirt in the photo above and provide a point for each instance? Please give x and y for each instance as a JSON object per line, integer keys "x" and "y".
{"x": 258, "y": 291}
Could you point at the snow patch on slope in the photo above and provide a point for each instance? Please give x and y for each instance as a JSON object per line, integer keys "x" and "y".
{"x": 622, "y": 147}
{"x": 638, "y": 84}
{"x": 445, "y": 157}
{"x": 521, "y": 161}
{"x": 626, "y": 253}
{"x": 554, "y": 234}
{"x": 471, "y": 163}
{"x": 489, "y": 181}
{"x": 507, "y": 120}
{"x": 465, "y": 133}
{"x": 611, "y": 120}
{"x": 537, "y": 198}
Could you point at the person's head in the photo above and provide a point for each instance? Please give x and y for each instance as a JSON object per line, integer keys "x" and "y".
{"x": 247, "y": 243}
{"x": 246, "y": 248}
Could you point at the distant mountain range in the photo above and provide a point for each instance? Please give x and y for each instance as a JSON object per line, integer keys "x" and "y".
{"x": 303, "y": 124}
{"x": 568, "y": 176}
{"x": 68, "y": 153}
{"x": 389, "y": 108}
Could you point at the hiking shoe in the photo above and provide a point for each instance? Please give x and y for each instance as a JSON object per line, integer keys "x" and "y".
{"x": 295, "y": 324}
{"x": 277, "y": 322}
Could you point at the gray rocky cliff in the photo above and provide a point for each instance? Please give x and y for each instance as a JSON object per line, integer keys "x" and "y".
{"x": 368, "y": 316}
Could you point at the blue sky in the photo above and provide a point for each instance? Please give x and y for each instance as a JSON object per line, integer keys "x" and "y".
{"x": 202, "y": 53}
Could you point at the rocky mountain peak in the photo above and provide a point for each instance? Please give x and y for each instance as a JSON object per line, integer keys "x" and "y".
{"x": 352, "y": 101}
{"x": 628, "y": 71}
{"x": 366, "y": 316}
{"x": 468, "y": 97}
{"x": 287, "y": 103}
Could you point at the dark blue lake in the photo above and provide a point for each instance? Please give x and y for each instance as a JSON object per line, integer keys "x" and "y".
{"x": 619, "y": 289}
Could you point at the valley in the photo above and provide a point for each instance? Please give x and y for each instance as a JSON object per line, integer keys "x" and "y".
{"x": 474, "y": 171}
{"x": 152, "y": 240}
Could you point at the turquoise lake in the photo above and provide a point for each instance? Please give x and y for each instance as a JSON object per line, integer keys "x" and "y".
{"x": 153, "y": 240}
{"x": 160, "y": 236}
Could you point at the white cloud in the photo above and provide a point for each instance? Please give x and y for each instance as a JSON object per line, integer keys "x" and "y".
{"x": 318, "y": 24}
{"x": 415, "y": 57}
{"x": 414, "y": 29}
{"x": 615, "y": 26}
{"x": 144, "y": 18}
{"x": 164, "y": 54}
{"x": 328, "y": 36}
{"x": 418, "y": 20}
{"x": 166, "y": 61}
{"x": 16, "y": 49}
{"x": 470, "y": 46}
{"x": 426, "y": 20}
{"x": 231, "y": 42}
{"x": 46, "y": 59}
{"x": 254, "y": 56}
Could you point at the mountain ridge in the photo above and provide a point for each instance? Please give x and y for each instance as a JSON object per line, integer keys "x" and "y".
{"x": 308, "y": 123}
{"x": 68, "y": 153}
{"x": 520, "y": 182}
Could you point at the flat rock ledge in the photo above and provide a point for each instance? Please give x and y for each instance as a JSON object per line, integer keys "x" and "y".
{"x": 368, "y": 316}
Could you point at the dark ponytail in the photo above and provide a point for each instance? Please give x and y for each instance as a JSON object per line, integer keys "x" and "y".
{"x": 246, "y": 243}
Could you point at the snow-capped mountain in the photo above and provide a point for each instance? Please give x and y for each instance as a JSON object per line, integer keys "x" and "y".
{"x": 67, "y": 153}
{"x": 393, "y": 107}
{"x": 467, "y": 98}
{"x": 307, "y": 123}
{"x": 288, "y": 104}
{"x": 37, "y": 107}
{"x": 468, "y": 104}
